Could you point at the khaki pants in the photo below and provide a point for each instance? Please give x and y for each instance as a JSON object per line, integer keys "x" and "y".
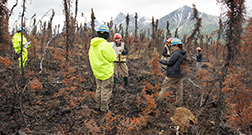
{"x": 175, "y": 82}
{"x": 198, "y": 65}
{"x": 103, "y": 93}
{"x": 123, "y": 67}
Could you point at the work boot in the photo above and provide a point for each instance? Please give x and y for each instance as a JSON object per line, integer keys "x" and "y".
{"x": 125, "y": 79}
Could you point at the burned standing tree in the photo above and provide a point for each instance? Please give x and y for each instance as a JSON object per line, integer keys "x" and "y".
{"x": 49, "y": 28}
{"x": 153, "y": 27}
{"x": 34, "y": 34}
{"x": 4, "y": 34}
{"x": 233, "y": 33}
{"x": 168, "y": 33}
{"x": 22, "y": 25}
{"x": 220, "y": 30}
{"x": 195, "y": 32}
{"x": 176, "y": 33}
{"x": 66, "y": 9}
{"x": 136, "y": 28}
{"x": 43, "y": 38}
{"x": 76, "y": 9}
{"x": 127, "y": 27}
{"x": 93, "y": 22}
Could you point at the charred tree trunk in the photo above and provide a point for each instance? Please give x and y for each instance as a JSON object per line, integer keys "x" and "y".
{"x": 66, "y": 9}
{"x": 218, "y": 38}
{"x": 93, "y": 22}
{"x": 153, "y": 28}
{"x": 22, "y": 25}
{"x": 43, "y": 38}
{"x": 76, "y": 9}
{"x": 49, "y": 28}
{"x": 156, "y": 25}
{"x": 196, "y": 30}
{"x": 136, "y": 28}
{"x": 176, "y": 33}
{"x": 233, "y": 35}
{"x": 168, "y": 33}
{"x": 127, "y": 27}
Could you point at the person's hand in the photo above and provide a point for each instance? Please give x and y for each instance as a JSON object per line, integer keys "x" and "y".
{"x": 121, "y": 50}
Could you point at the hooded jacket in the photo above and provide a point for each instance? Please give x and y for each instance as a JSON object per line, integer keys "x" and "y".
{"x": 16, "y": 41}
{"x": 173, "y": 65}
{"x": 101, "y": 58}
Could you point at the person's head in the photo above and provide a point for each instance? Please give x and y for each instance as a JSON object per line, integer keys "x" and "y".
{"x": 117, "y": 37}
{"x": 103, "y": 31}
{"x": 198, "y": 49}
{"x": 176, "y": 44}
{"x": 20, "y": 29}
{"x": 169, "y": 41}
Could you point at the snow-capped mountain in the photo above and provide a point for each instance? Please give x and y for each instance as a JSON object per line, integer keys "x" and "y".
{"x": 180, "y": 18}
{"x": 142, "y": 21}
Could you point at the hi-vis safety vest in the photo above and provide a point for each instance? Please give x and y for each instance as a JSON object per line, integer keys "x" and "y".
{"x": 168, "y": 53}
{"x": 119, "y": 57}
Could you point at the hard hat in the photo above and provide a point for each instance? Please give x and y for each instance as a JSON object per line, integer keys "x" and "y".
{"x": 20, "y": 29}
{"x": 169, "y": 40}
{"x": 176, "y": 41}
{"x": 117, "y": 37}
{"x": 103, "y": 28}
{"x": 198, "y": 48}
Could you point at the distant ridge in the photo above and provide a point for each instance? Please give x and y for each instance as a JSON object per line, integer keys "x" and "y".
{"x": 180, "y": 18}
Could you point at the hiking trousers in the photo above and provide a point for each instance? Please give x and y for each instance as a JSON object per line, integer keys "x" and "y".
{"x": 25, "y": 57}
{"x": 198, "y": 65}
{"x": 174, "y": 82}
{"x": 123, "y": 67}
{"x": 103, "y": 93}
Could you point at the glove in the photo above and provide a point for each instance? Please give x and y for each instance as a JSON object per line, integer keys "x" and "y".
{"x": 17, "y": 55}
{"x": 27, "y": 45}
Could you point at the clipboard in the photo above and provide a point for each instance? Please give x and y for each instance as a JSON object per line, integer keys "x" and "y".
{"x": 117, "y": 50}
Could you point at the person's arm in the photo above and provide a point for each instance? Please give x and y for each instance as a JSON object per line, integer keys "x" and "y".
{"x": 125, "y": 51}
{"x": 109, "y": 53}
{"x": 164, "y": 52}
{"x": 174, "y": 57}
{"x": 172, "y": 60}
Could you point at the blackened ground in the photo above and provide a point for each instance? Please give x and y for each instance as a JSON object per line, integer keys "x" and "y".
{"x": 43, "y": 113}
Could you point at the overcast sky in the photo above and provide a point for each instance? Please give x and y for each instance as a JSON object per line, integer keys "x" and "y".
{"x": 105, "y": 9}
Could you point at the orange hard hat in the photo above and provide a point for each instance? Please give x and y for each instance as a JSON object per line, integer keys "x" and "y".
{"x": 117, "y": 37}
{"x": 198, "y": 48}
{"x": 169, "y": 40}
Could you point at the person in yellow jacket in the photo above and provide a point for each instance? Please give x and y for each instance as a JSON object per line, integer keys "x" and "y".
{"x": 120, "y": 62}
{"x": 101, "y": 58}
{"x": 16, "y": 41}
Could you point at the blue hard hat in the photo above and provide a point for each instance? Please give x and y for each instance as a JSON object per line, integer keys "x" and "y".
{"x": 176, "y": 41}
{"x": 20, "y": 29}
{"x": 103, "y": 28}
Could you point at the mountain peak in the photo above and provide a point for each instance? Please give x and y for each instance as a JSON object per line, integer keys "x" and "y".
{"x": 185, "y": 6}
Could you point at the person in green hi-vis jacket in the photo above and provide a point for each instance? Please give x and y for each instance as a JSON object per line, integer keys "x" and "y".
{"x": 101, "y": 58}
{"x": 16, "y": 41}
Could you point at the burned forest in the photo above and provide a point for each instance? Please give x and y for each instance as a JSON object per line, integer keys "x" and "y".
{"x": 54, "y": 94}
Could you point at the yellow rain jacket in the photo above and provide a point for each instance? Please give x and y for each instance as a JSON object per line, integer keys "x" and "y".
{"x": 16, "y": 41}
{"x": 101, "y": 57}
